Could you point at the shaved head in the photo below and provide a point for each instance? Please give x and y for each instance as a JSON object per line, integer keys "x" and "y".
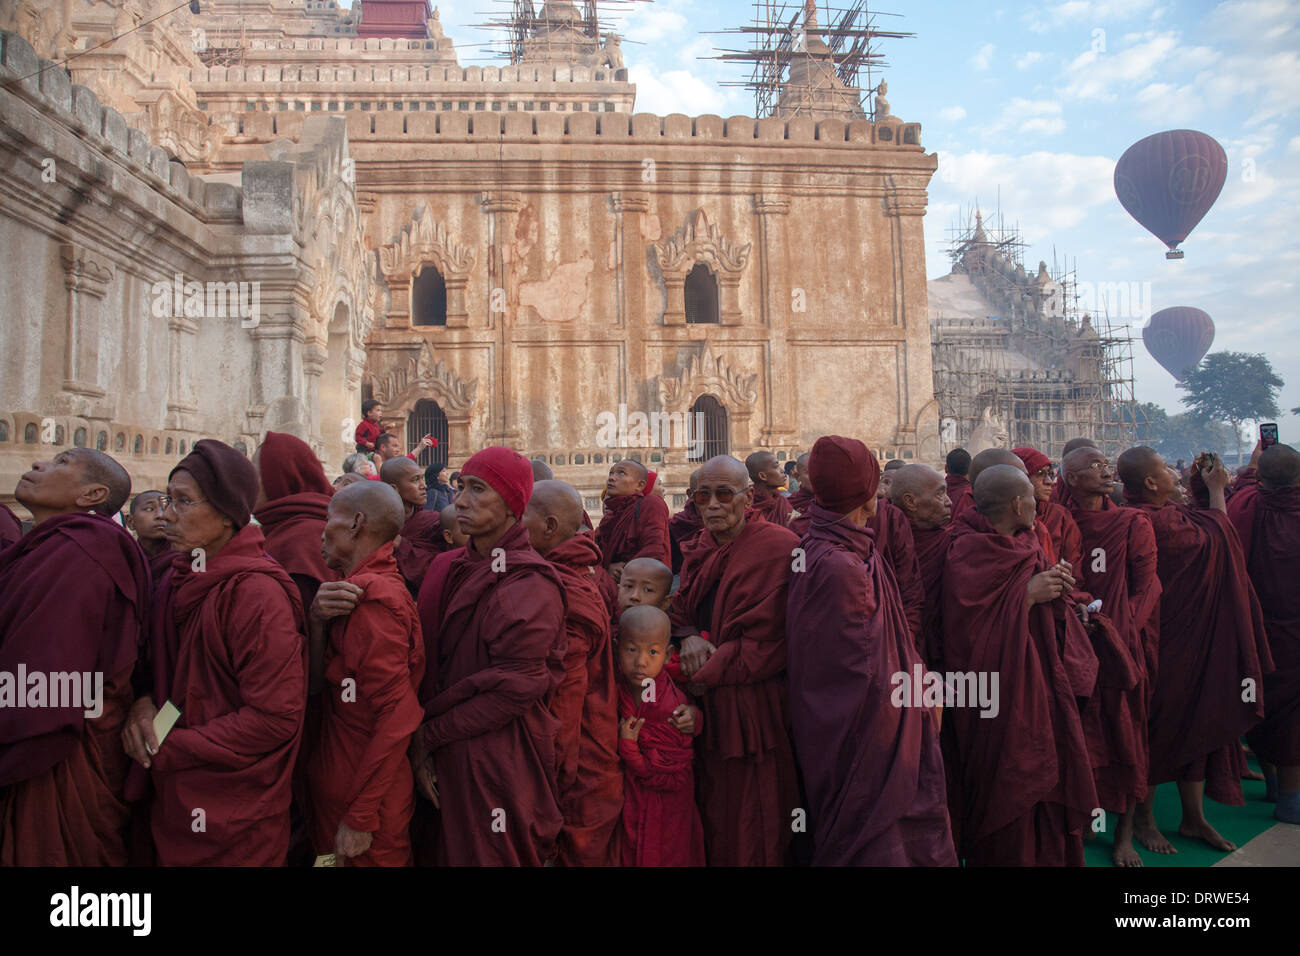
{"x": 541, "y": 470}
{"x": 560, "y": 500}
{"x": 377, "y": 501}
{"x": 895, "y": 464}
{"x": 728, "y": 469}
{"x": 99, "y": 469}
{"x": 1076, "y": 443}
{"x": 914, "y": 480}
{"x": 990, "y": 457}
{"x": 759, "y": 461}
{"x": 395, "y": 469}
{"x": 143, "y": 497}
{"x": 922, "y": 494}
{"x": 348, "y": 478}
{"x": 998, "y": 486}
{"x": 1077, "y": 459}
{"x": 447, "y": 519}
{"x": 644, "y": 622}
{"x": 1279, "y": 467}
{"x": 1136, "y": 465}
{"x": 651, "y": 568}
{"x": 695, "y": 479}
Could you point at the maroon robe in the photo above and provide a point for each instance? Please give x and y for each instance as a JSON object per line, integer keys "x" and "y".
{"x": 586, "y": 704}
{"x": 1118, "y": 567}
{"x": 494, "y": 640}
{"x": 228, "y": 651}
{"x": 634, "y": 526}
{"x": 931, "y": 546}
{"x": 960, "y": 493}
{"x": 358, "y": 769}
{"x": 775, "y": 507}
{"x": 1211, "y": 639}
{"x": 421, "y": 542}
{"x": 801, "y": 500}
{"x": 1268, "y": 521}
{"x": 872, "y": 770}
{"x": 11, "y": 529}
{"x": 735, "y": 595}
{"x": 683, "y": 526}
{"x": 74, "y": 598}
{"x": 1060, "y": 524}
{"x": 661, "y": 822}
{"x": 893, "y": 540}
{"x": 1023, "y": 780}
{"x": 293, "y": 526}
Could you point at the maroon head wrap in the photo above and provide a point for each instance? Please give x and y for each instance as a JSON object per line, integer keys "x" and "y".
{"x": 227, "y": 479}
{"x": 1032, "y": 457}
{"x": 844, "y": 472}
{"x": 290, "y": 467}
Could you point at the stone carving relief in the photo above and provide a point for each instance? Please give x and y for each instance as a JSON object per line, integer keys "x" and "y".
{"x": 701, "y": 241}
{"x": 422, "y": 377}
{"x": 707, "y": 373}
{"x": 426, "y": 241}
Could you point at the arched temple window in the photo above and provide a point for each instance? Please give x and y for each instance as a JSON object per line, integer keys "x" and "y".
{"x": 429, "y": 297}
{"x": 701, "y": 296}
{"x": 708, "y": 429}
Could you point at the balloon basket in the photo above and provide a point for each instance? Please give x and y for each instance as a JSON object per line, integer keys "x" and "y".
{"x": 1174, "y": 254}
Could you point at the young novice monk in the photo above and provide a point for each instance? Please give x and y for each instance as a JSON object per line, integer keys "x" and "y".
{"x": 649, "y": 582}
{"x": 661, "y": 824}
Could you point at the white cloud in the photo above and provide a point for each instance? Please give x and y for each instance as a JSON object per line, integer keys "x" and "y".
{"x": 1094, "y": 76}
{"x": 1090, "y": 12}
{"x": 983, "y": 57}
{"x": 1293, "y": 146}
{"x": 1027, "y": 60}
{"x": 679, "y": 91}
{"x": 952, "y": 114}
{"x": 1028, "y": 116}
{"x": 656, "y": 21}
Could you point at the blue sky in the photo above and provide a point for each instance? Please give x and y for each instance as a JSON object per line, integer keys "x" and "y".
{"x": 1036, "y": 102}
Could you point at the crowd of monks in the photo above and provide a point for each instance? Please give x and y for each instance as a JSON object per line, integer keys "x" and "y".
{"x": 300, "y": 671}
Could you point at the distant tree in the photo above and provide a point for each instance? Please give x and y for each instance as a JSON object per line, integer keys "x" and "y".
{"x": 1235, "y": 387}
{"x": 1186, "y": 436}
{"x": 1150, "y": 420}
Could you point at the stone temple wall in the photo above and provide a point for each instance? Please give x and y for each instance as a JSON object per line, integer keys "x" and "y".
{"x": 101, "y": 350}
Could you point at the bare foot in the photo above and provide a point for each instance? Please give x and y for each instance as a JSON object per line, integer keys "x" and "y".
{"x": 1152, "y": 839}
{"x": 1252, "y": 774}
{"x": 1125, "y": 855}
{"x": 1203, "y": 831}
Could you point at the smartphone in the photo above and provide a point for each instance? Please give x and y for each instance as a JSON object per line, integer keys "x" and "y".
{"x": 1267, "y": 434}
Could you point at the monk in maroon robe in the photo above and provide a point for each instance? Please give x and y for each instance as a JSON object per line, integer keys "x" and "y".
{"x": 1059, "y": 490}
{"x": 11, "y": 529}
{"x": 368, "y": 653}
{"x": 422, "y": 539}
{"x": 1066, "y": 540}
{"x": 661, "y": 821}
{"x": 768, "y": 480}
{"x": 803, "y": 497}
{"x": 586, "y": 702}
{"x": 635, "y": 522}
{"x": 686, "y": 524}
{"x": 1024, "y": 778}
{"x": 956, "y": 467}
{"x": 872, "y": 770}
{"x": 1266, "y": 512}
{"x": 920, "y": 493}
{"x": 229, "y": 653}
{"x": 145, "y": 518}
{"x": 493, "y": 622}
{"x": 74, "y": 601}
{"x": 1119, "y": 569}
{"x": 1211, "y": 641}
{"x": 292, "y": 499}
{"x": 729, "y": 617}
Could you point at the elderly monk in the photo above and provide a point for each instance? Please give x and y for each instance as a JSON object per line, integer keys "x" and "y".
{"x": 1023, "y": 778}
{"x": 729, "y": 619}
{"x": 686, "y": 524}
{"x": 293, "y": 496}
{"x": 873, "y": 771}
{"x": 586, "y": 702}
{"x": 421, "y": 539}
{"x": 921, "y": 494}
{"x": 1266, "y": 512}
{"x": 229, "y": 653}
{"x": 493, "y": 621}
{"x": 635, "y": 522}
{"x": 1211, "y": 640}
{"x": 74, "y": 599}
{"x": 768, "y": 480}
{"x": 541, "y": 470}
{"x": 1066, "y": 540}
{"x": 145, "y": 518}
{"x": 1059, "y": 488}
{"x": 1119, "y": 568}
{"x": 368, "y": 653}
{"x": 957, "y": 467}
{"x": 452, "y": 537}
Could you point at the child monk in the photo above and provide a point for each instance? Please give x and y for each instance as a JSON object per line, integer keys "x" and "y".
{"x": 145, "y": 519}
{"x": 661, "y": 824}
{"x": 649, "y": 582}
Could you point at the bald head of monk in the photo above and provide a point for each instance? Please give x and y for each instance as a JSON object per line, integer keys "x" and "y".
{"x": 957, "y": 462}
{"x": 1146, "y": 477}
{"x": 922, "y": 494}
{"x": 553, "y": 515}
{"x": 694, "y": 482}
{"x": 764, "y": 471}
{"x": 541, "y": 470}
{"x": 1076, "y": 443}
{"x": 450, "y": 528}
{"x": 801, "y": 473}
{"x": 644, "y": 634}
{"x": 1004, "y": 495}
{"x": 78, "y": 480}
{"x": 347, "y": 478}
{"x": 407, "y": 479}
{"x": 626, "y": 477}
{"x": 1279, "y": 467}
{"x": 723, "y": 495}
{"x": 362, "y": 518}
{"x": 1088, "y": 474}
{"x": 887, "y": 476}
{"x": 645, "y": 581}
{"x": 994, "y": 456}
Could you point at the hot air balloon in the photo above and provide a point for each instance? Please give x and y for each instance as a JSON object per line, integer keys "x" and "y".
{"x": 1178, "y": 338}
{"x": 1169, "y": 181}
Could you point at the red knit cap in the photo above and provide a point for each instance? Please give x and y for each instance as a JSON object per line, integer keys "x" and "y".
{"x": 507, "y": 472}
{"x": 288, "y": 466}
{"x": 1033, "y": 458}
{"x": 844, "y": 473}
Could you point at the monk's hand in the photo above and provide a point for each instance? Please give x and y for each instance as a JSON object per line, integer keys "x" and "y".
{"x": 683, "y": 719}
{"x": 1215, "y": 475}
{"x": 1083, "y": 611}
{"x": 629, "y": 728}
{"x": 138, "y": 738}
{"x": 1067, "y": 574}
{"x": 1256, "y": 452}
{"x": 1045, "y": 586}
{"x": 426, "y": 781}
{"x": 350, "y": 842}
{"x": 694, "y": 654}
{"x": 335, "y": 599}
{"x": 616, "y": 571}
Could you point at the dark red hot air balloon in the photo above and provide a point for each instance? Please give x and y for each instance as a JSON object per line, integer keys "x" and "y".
{"x": 1178, "y": 338}
{"x": 1169, "y": 181}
